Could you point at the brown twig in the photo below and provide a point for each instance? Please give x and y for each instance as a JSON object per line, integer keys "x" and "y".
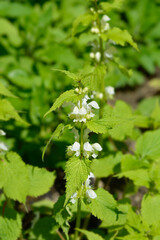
{"x": 4, "y": 207}
{"x": 60, "y": 235}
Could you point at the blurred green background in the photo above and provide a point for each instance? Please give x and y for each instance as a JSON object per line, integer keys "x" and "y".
{"x": 35, "y": 37}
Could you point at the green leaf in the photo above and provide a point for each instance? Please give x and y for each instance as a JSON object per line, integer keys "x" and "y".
{"x": 64, "y": 97}
{"x": 68, "y": 73}
{"x": 5, "y": 92}
{"x": 77, "y": 171}
{"x": 120, "y": 37}
{"x": 131, "y": 162}
{"x": 147, "y": 146}
{"x": 116, "y": 4}
{"x": 41, "y": 181}
{"x": 8, "y": 112}
{"x": 14, "y": 177}
{"x": 103, "y": 206}
{"x": 99, "y": 126}
{"x": 105, "y": 167}
{"x": 140, "y": 177}
{"x": 90, "y": 235}
{"x": 14, "y": 9}
{"x": 150, "y": 209}
{"x": 8, "y": 29}
{"x": 83, "y": 20}
{"x": 62, "y": 215}
{"x": 10, "y": 226}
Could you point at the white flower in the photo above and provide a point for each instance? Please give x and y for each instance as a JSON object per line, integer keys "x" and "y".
{"x": 94, "y": 104}
{"x": 3, "y": 147}
{"x": 75, "y": 110}
{"x": 94, "y": 30}
{"x": 92, "y": 55}
{"x": 91, "y": 194}
{"x": 105, "y": 18}
{"x": 73, "y": 198}
{"x": 91, "y": 175}
{"x": 74, "y": 149}
{"x": 108, "y": 55}
{"x": 98, "y": 56}
{"x": 82, "y": 111}
{"x": 2, "y": 133}
{"x": 94, "y": 155}
{"x": 75, "y": 146}
{"x": 97, "y": 147}
{"x": 106, "y": 27}
{"x": 87, "y": 147}
{"x": 110, "y": 91}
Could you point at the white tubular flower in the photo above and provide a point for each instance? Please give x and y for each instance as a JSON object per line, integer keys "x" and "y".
{"x": 2, "y": 133}
{"x": 105, "y": 18}
{"x": 97, "y": 147}
{"x": 73, "y": 198}
{"x": 87, "y": 147}
{"x": 75, "y": 110}
{"x": 106, "y": 27}
{"x": 94, "y": 104}
{"x": 98, "y": 56}
{"x": 91, "y": 194}
{"x": 94, "y": 155}
{"x": 94, "y": 30}
{"x": 82, "y": 111}
{"x": 88, "y": 181}
{"x": 75, "y": 147}
{"x": 108, "y": 55}
{"x": 92, "y": 55}
{"x": 110, "y": 91}
{"x": 3, "y": 147}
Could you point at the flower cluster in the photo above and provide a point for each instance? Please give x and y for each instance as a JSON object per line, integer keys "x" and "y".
{"x": 88, "y": 149}
{"x": 3, "y": 147}
{"x": 109, "y": 92}
{"x": 83, "y": 112}
{"x": 88, "y": 192}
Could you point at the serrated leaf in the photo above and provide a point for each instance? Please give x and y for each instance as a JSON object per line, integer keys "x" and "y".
{"x": 140, "y": 177}
{"x": 14, "y": 177}
{"x": 103, "y": 206}
{"x": 131, "y": 162}
{"x": 150, "y": 209}
{"x": 62, "y": 215}
{"x": 5, "y": 92}
{"x": 147, "y": 146}
{"x": 90, "y": 235}
{"x": 10, "y": 226}
{"x": 40, "y": 179}
{"x": 8, "y": 112}
{"x": 64, "y": 97}
{"x": 104, "y": 167}
{"x": 77, "y": 171}
{"x": 98, "y": 126}
{"x": 116, "y": 4}
{"x": 120, "y": 37}
{"x": 55, "y": 134}
{"x": 68, "y": 73}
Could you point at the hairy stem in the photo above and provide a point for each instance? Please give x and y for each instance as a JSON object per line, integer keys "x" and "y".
{"x": 60, "y": 235}
{"x": 78, "y": 220}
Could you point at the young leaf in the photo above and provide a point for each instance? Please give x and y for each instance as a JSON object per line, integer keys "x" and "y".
{"x": 64, "y": 97}
{"x": 90, "y": 235}
{"x": 56, "y": 133}
{"x": 5, "y": 92}
{"x": 10, "y": 226}
{"x": 147, "y": 146}
{"x": 68, "y": 73}
{"x": 103, "y": 206}
{"x": 8, "y": 112}
{"x": 41, "y": 181}
{"x": 83, "y": 20}
{"x": 110, "y": 6}
{"x": 120, "y": 37}
{"x": 77, "y": 171}
{"x": 14, "y": 177}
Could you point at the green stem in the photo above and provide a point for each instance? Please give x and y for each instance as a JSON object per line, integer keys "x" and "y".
{"x": 81, "y": 148}
{"x": 78, "y": 220}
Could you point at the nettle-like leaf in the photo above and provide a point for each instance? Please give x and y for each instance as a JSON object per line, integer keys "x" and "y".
{"x": 19, "y": 180}
{"x": 140, "y": 177}
{"x": 59, "y": 130}
{"x": 90, "y": 235}
{"x": 120, "y": 37}
{"x": 131, "y": 162}
{"x": 64, "y": 97}
{"x": 104, "y": 206}
{"x": 106, "y": 166}
{"x": 116, "y": 4}
{"x": 83, "y": 20}
{"x": 77, "y": 171}
{"x": 147, "y": 146}
{"x": 62, "y": 215}
{"x": 10, "y": 226}
{"x": 14, "y": 177}
{"x": 40, "y": 181}
{"x": 8, "y": 112}
{"x": 150, "y": 209}
{"x": 5, "y": 92}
